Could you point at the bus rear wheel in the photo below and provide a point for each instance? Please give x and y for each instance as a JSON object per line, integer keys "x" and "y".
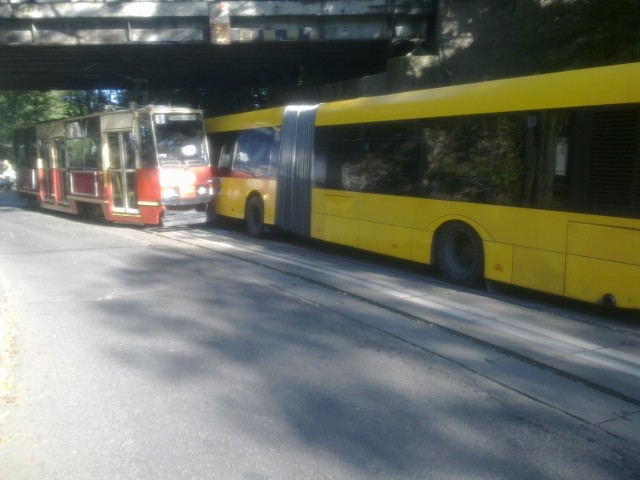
{"x": 254, "y": 217}
{"x": 459, "y": 254}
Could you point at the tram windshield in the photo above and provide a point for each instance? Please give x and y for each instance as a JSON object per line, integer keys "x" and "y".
{"x": 180, "y": 139}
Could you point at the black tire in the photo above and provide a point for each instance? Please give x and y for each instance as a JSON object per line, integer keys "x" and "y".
{"x": 459, "y": 254}
{"x": 211, "y": 213}
{"x": 254, "y": 217}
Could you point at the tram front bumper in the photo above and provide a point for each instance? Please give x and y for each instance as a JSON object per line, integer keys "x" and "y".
{"x": 175, "y": 217}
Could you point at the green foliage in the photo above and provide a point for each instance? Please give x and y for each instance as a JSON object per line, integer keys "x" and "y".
{"x": 19, "y": 108}
{"x": 584, "y": 33}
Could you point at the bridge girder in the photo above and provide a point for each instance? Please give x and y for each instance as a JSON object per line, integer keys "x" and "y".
{"x": 168, "y": 44}
{"x": 168, "y": 66}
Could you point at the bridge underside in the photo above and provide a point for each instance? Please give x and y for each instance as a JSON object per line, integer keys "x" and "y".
{"x": 183, "y": 65}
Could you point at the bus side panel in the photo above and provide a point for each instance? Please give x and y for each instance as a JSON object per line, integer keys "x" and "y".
{"x": 421, "y": 241}
{"x": 337, "y": 221}
{"x": 230, "y": 201}
{"x": 498, "y": 264}
{"x": 603, "y": 260}
{"x": 539, "y": 269}
{"x": 386, "y": 239}
{"x": 404, "y": 227}
{"x": 589, "y": 279}
{"x": 604, "y": 242}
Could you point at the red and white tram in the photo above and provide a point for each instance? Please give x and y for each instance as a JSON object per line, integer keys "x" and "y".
{"x": 144, "y": 165}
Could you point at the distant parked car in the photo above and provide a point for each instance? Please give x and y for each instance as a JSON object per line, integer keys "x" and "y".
{"x": 7, "y": 175}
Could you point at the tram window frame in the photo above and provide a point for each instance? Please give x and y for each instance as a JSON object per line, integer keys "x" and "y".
{"x": 92, "y": 146}
{"x": 146, "y": 143}
{"x": 26, "y": 150}
{"x": 73, "y": 144}
{"x": 83, "y": 144}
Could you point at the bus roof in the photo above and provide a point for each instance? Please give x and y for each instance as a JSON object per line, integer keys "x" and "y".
{"x": 269, "y": 117}
{"x": 611, "y": 85}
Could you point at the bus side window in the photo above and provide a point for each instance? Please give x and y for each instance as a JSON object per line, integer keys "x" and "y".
{"x": 253, "y": 153}
{"x": 607, "y": 161}
{"x": 547, "y": 159}
{"x": 343, "y": 158}
{"x": 226, "y": 152}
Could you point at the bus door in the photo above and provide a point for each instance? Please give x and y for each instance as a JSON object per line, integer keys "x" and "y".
{"x": 122, "y": 173}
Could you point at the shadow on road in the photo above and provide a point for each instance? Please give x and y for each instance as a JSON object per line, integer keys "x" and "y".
{"x": 305, "y": 383}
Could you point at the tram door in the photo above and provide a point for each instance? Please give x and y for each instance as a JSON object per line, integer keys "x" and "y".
{"x": 47, "y": 167}
{"x": 62, "y": 177}
{"x": 122, "y": 172}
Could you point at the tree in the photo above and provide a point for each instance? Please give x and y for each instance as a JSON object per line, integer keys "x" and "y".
{"x": 23, "y": 108}
{"x": 585, "y": 33}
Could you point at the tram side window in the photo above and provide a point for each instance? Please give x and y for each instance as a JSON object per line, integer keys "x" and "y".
{"x": 44, "y": 152}
{"x": 147, "y": 148}
{"x": 92, "y": 143}
{"x": 83, "y": 144}
{"x": 74, "y": 144}
{"x": 25, "y": 147}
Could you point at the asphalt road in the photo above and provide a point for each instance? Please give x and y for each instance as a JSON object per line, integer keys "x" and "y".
{"x": 138, "y": 354}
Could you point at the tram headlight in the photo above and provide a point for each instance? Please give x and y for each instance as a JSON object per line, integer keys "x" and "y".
{"x": 189, "y": 150}
{"x": 170, "y": 192}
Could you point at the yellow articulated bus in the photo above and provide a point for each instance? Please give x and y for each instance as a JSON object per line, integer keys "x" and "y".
{"x": 531, "y": 181}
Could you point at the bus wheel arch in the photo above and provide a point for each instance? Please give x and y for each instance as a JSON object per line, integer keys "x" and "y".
{"x": 254, "y": 216}
{"x": 458, "y": 252}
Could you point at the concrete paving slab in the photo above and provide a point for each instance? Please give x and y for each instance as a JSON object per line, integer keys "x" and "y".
{"x": 565, "y": 394}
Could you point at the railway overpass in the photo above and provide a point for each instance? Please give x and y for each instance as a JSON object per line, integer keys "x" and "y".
{"x": 54, "y": 44}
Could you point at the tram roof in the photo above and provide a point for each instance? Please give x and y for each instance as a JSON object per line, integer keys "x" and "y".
{"x": 117, "y": 111}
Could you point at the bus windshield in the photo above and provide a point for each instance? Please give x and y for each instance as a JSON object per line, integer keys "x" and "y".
{"x": 180, "y": 139}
